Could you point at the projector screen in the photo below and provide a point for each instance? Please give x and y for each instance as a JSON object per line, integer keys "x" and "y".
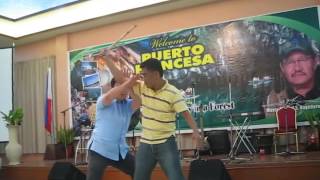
{"x": 5, "y": 88}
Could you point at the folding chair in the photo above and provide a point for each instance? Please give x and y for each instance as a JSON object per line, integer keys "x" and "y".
{"x": 287, "y": 124}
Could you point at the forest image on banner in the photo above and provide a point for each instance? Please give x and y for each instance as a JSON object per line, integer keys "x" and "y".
{"x": 223, "y": 69}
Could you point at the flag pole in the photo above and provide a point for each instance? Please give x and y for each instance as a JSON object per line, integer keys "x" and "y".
{"x": 49, "y": 106}
{"x": 53, "y": 130}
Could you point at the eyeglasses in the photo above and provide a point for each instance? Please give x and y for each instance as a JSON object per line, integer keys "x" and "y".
{"x": 291, "y": 62}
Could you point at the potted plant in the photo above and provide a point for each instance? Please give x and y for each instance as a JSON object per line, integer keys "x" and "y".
{"x": 313, "y": 117}
{"x": 13, "y": 148}
{"x": 66, "y": 138}
{"x": 14, "y": 117}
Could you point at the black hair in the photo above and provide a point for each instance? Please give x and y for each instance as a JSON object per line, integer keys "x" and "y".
{"x": 153, "y": 65}
{"x": 113, "y": 82}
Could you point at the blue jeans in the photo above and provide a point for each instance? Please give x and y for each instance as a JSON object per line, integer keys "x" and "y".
{"x": 165, "y": 153}
{"x": 98, "y": 163}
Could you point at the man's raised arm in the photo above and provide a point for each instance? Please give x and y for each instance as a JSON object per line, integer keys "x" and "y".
{"x": 116, "y": 91}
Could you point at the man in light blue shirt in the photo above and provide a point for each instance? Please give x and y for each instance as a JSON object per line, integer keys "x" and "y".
{"x": 107, "y": 146}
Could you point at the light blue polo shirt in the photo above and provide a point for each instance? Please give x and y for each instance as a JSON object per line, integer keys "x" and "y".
{"x": 112, "y": 122}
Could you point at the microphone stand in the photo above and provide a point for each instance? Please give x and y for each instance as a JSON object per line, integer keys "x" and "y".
{"x": 193, "y": 105}
{"x": 193, "y": 113}
{"x": 133, "y": 142}
{"x": 179, "y": 138}
{"x": 64, "y": 123}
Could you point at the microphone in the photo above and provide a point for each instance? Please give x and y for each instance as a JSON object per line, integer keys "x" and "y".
{"x": 300, "y": 100}
{"x": 295, "y": 98}
{"x": 75, "y": 105}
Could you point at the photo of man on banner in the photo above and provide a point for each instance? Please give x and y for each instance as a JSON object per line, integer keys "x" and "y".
{"x": 299, "y": 64}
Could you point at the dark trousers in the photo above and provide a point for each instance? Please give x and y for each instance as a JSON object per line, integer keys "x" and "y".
{"x": 98, "y": 163}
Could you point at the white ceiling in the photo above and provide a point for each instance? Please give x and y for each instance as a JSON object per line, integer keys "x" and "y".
{"x": 47, "y": 30}
{"x": 15, "y": 9}
{"x": 67, "y": 15}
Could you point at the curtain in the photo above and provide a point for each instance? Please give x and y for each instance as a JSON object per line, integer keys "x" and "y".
{"x": 30, "y": 80}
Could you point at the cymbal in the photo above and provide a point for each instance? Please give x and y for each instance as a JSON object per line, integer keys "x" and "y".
{"x": 273, "y": 105}
{"x": 243, "y": 114}
{"x": 312, "y": 101}
{"x": 289, "y": 103}
{"x": 191, "y": 97}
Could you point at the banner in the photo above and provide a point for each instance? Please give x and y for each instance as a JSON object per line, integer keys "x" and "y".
{"x": 239, "y": 69}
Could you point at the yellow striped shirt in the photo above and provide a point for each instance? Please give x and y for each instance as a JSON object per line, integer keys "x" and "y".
{"x": 158, "y": 112}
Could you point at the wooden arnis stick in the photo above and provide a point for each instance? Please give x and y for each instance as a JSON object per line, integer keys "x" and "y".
{"x": 121, "y": 37}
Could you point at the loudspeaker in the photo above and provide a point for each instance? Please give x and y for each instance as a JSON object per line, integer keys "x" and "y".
{"x": 55, "y": 151}
{"x": 219, "y": 142}
{"x": 65, "y": 171}
{"x": 212, "y": 169}
{"x": 265, "y": 140}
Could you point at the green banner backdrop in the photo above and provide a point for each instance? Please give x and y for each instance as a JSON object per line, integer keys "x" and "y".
{"x": 230, "y": 69}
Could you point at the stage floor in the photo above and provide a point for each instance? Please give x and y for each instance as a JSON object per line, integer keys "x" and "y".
{"x": 302, "y": 166}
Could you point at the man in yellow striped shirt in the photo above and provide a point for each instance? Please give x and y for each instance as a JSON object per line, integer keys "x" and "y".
{"x": 160, "y": 101}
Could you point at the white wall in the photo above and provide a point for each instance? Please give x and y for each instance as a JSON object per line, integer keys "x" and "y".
{"x": 5, "y": 88}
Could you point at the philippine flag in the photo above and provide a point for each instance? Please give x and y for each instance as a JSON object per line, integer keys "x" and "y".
{"x": 48, "y": 108}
